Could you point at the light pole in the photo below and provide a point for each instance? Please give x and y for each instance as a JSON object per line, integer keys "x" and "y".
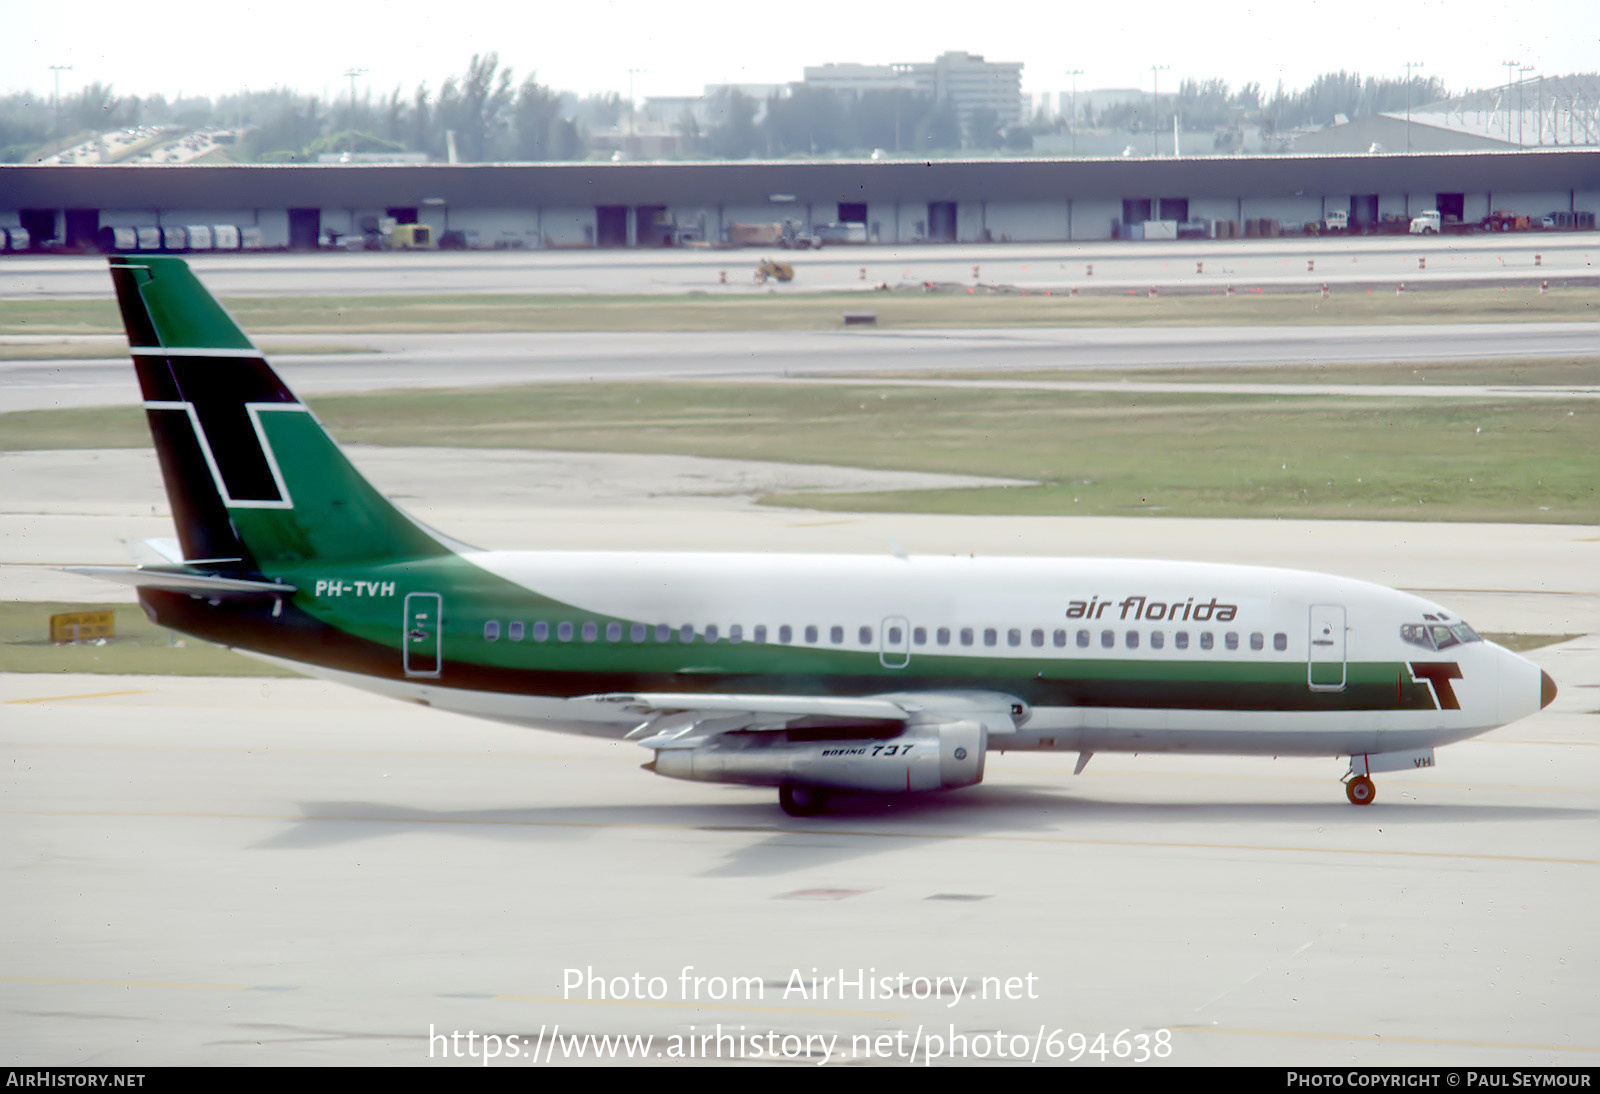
{"x": 58, "y": 70}
{"x": 1072, "y": 109}
{"x": 1155, "y": 122}
{"x": 1509, "y": 65}
{"x": 352, "y": 74}
{"x": 632, "y": 72}
{"x": 1409, "y": 66}
{"x": 1522, "y": 71}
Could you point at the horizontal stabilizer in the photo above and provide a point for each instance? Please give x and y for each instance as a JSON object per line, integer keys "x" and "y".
{"x": 182, "y": 581}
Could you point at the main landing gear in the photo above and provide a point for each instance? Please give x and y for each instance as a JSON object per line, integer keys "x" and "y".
{"x": 802, "y": 801}
{"x": 1360, "y": 791}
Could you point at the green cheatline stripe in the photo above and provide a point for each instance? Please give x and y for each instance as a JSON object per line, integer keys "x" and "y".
{"x": 779, "y": 670}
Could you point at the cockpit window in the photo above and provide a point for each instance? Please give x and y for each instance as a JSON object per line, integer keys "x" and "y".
{"x": 1437, "y": 636}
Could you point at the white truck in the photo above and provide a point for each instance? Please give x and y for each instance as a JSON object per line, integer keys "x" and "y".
{"x": 1427, "y": 223}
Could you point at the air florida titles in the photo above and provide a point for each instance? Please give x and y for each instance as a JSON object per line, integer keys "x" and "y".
{"x": 1142, "y": 608}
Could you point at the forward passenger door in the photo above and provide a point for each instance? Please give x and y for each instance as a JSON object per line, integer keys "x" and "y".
{"x": 1326, "y": 668}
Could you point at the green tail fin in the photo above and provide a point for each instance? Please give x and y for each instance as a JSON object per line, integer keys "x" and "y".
{"x": 254, "y": 480}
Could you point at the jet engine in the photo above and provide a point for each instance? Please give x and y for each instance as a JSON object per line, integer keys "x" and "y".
{"x": 939, "y": 756}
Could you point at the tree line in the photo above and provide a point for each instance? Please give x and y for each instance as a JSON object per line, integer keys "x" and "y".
{"x": 490, "y": 116}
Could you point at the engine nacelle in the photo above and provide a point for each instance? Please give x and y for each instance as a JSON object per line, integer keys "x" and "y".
{"x": 924, "y": 757}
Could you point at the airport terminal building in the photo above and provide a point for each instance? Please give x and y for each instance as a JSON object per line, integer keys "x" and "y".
{"x": 555, "y": 205}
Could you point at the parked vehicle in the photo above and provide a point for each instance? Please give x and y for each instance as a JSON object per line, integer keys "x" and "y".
{"x": 796, "y": 238}
{"x": 769, "y": 269}
{"x": 1563, "y": 220}
{"x": 1427, "y": 223}
{"x": 1504, "y": 220}
{"x": 848, "y": 232}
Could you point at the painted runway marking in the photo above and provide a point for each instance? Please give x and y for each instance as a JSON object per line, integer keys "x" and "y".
{"x": 85, "y": 695}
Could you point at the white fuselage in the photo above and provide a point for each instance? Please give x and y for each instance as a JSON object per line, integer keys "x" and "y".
{"x": 1108, "y": 655}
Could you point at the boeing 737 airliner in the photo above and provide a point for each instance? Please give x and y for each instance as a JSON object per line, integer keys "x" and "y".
{"x": 812, "y": 674}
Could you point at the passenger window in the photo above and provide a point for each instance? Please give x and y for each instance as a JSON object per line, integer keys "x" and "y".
{"x": 919, "y": 635}
{"x": 811, "y": 633}
{"x": 1133, "y": 640}
{"x": 515, "y": 631}
{"x": 686, "y": 633}
{"x": 1059, "y": 638}
{"x": 759, "y": 635}
{"x": 864, "y": 636}
{"x": 638, "y": 632}
{"x": 491, "y": 631}
{"x": 711, "y": 632}
{"x": 1258, "y": 641}
{"x": 836, "y": 635}
{"x": 736, "y": 633}
{"x": 1083, "y": 640}
{"x": 1232, "y": 640}
{"x": 1206, "y": 641}
{"x": 591, "y": 631}
{"x": 663, "y": 633}
{"x": 943, "y": 636}
{"x": 785, "y": 634}
{"x": 1181, "y": 640}
{"x": 990, "y": 636}
{"x": 966, "y": 636}
{"x": 1280, "y": 642}
{"x": 613, "y": 632}
{"x": 1013, "y": 637}
{"x": 1108, "y": 639}
{"x": 541, "y": 632}
{"x": 895, "y": 636}
{"x": 564, "y": 632}
{"x": 1037, "y": 637}
{"x": 1157, "y": 640}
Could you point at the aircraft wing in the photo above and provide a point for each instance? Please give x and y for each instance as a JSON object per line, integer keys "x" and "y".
{"x": 652, "y": 703}
{"x": 686, "y": 719}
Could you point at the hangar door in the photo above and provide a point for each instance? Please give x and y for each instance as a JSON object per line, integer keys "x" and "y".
{"x": 611, "y": 225}
{"x": 305, "y": 226}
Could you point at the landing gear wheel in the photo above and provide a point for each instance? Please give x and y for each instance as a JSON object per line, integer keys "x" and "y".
{"x": 802, "y": 801}
{"x": 1360, "y": 791}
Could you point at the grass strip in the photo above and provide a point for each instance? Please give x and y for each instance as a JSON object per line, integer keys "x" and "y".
{"x": 1091, "y": 453}
{"x": 140, "y": 648}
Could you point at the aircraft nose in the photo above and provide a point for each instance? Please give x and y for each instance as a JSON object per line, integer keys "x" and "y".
{"x": 1547, "y": 690}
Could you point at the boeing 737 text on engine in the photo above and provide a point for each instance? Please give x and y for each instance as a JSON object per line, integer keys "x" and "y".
{"x": 808, "y": 673}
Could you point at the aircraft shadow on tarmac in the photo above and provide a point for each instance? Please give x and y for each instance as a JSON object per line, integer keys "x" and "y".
{"x": 860, "y": 824}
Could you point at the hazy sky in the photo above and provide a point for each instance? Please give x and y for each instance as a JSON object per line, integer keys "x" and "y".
{"x": 218, "y": 46}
